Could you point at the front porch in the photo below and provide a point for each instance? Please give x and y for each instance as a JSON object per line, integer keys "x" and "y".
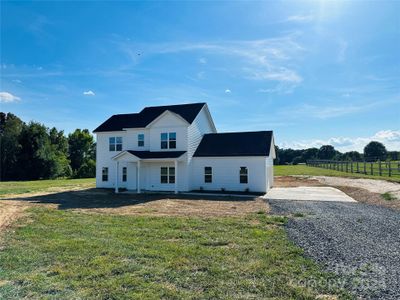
{"x": 139, "y": 171}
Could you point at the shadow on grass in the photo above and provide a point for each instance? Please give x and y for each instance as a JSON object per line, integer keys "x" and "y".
{"x": 106, "y": 198}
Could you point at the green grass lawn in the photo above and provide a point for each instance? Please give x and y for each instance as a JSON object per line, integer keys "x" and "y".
{"x": 19, "y": 187}
{"x": 313, "y": 171}
{"x": 72, "y": 255}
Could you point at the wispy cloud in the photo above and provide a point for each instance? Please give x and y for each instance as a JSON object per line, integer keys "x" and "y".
{"x": 228, "y": 91}
{"x": 343, "y": 45}
{"x": 300, "y": 18}
{"x": 271, "y": 59}
{"x": 6, "y": 97}
{"x": 390, "y": 138}
{"x": 89, "y": 93}
{"x": 324, "y": 111}
{"x": 203, "y": 60}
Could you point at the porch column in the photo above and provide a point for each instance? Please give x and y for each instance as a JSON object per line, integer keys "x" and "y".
{"x": 116, "y": 176}
{"x": 176, "y": 177}
{"x": 138, "y": 177}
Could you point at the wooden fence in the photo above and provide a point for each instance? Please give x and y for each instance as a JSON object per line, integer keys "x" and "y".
{"x": 377, "y": 168}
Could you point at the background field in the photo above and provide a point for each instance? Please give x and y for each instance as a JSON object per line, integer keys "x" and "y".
{"x": 20, "y": 187}
{"x": 314, "y": 171}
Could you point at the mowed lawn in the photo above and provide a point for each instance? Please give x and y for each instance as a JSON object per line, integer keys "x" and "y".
{"x": 20, "y": 187}
{"x": 51, "y": 253}
{"x": 314, "y": 171}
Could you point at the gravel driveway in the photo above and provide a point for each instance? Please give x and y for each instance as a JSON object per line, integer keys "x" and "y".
{"x": 359, "y": 242}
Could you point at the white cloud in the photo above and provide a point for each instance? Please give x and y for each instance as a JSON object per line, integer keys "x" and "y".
{"x": 17, "y": 81}
{"x": 228, "y": 91}
{"x": 89, "y": 93}
{"x": 7, "y": 97}
{"x": 202, "y": 60}
{"x": 390, "y": 138}
{"x": 300, "y": 18}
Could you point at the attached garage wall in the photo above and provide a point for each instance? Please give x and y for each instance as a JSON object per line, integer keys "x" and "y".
{"x": 226, "y": 173}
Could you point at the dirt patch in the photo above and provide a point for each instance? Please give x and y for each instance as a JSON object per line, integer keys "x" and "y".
{"x": 371, "y": 185}
{"x": 106, "y": 201}
{"x": 294, "y": 181}
{"x": 363, "y": 190}
{"x": 365, "y": 196}
{"x": 187, "y": 207}
{"x": 9, "y": 211}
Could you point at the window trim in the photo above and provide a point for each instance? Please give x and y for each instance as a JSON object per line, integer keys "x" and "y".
{"x": 168, "y": 140}
{"x": 169, "y": 175}
{"x": 115, "y": 143}
{"x": 124, "y": 174}
{"x": 171, "y": 140}
{"x": 208, "y": 174}
{"x": 244, "y": 175}
{"x": 104, "y": 174}
{"x": 140, "y": 141}
{"x": 164, "y": 140}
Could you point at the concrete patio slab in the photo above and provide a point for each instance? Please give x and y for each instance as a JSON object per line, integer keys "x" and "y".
{"x": 304, "y": 193}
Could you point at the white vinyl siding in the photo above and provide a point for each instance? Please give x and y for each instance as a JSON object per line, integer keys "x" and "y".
{"x": 226, "y": 173}
{"x": 200, "y": 126}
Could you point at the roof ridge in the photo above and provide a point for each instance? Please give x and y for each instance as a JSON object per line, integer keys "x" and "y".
{"x": 172, "y": 105}
{"x": 233, "y": 132}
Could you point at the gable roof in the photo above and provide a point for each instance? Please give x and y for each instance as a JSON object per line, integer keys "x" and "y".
{"x": 140, "y": 120}
{"x": 255, "y": 143}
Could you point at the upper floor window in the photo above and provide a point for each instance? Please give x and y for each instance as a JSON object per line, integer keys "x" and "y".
{"x": 243, "y": 175}
{"x": 168, "y": 140}
{"x": 115, "y": 143}
{"x": 124, "y": 174}
{"x": 207, "y": 174}
{"x": 104, "y": 174}
{"x": 140, "y": 138}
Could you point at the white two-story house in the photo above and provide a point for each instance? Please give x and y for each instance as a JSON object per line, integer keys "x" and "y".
{"x": 177, "y": 148}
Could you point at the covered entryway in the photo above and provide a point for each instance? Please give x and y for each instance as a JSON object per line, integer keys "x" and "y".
{"x": 149, "y": 171}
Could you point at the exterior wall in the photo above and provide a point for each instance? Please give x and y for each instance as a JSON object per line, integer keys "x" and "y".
{"x": 150, "y": 175}
{"x": 168, "y": 123}
{"x": 200, "y": 126}
{"x": 269, "y": 172}
{"x": 225, "y": 173}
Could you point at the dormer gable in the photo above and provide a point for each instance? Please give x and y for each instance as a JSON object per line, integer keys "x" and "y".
{"x": 168, "y": 119}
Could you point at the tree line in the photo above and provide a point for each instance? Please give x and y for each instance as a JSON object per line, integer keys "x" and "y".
{"x": 372, "y": 151}
{"x": 30, "y": 151}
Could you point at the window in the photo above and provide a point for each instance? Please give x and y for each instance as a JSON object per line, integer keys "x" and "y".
{"x": 243, "y": 175}
{"x": 104, "y": 174}
{"x": 168, "y": 140}
{"x": 171, "y": 175}
{"x": 124, "y": 174}
{"x": 164, "y": 140}
{"x": 172, "y": 140}
{"x": 207, "y": 174}
{"x": 140, "y": 138}
{"x": 167, "y": 175}
{"x": 115, "y": 143}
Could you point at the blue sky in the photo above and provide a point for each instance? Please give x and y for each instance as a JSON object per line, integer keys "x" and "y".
{"x": 315, "y": 72}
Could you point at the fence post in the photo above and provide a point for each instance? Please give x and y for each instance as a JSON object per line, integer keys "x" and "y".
{"x": 347, "y": 167}
{"x": 365, "y": 167}
{"x": 358, "y": 169}
{"x": 372, "y": 168}
{"x": 351, "y": 166}
{"x": 390, "y": 170}
{"x": 380, "y": 167}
